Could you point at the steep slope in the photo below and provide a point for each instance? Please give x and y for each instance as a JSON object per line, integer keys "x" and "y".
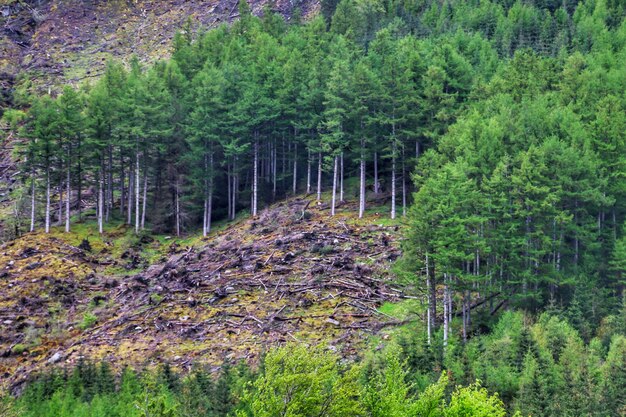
{"x": 293, "y": 273}
{"x": 57, "y": 41}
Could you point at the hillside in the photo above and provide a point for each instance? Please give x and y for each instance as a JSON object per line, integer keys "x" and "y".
{"x": 244, "y": 201}
{"x": 293, "y": 273}
{"x": 60, "y": 41}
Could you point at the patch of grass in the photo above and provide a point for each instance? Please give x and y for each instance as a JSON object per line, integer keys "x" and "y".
{"x": 89, "y": 319}
{"x": 19, "y": 349}
{"x": 403, "y": 309}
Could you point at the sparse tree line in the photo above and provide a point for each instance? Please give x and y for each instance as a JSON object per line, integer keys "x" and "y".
{"x": 242, "y": 115}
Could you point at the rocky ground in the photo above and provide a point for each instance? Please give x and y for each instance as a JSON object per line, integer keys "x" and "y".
{"x": 293, "y": 273}
{"x": 53, "y": 42}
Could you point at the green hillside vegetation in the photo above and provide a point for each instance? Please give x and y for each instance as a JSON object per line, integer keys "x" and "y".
{"x": 495, "y": 130}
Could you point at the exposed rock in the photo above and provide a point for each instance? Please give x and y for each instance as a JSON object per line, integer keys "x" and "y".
{"x": 55, "y": 358}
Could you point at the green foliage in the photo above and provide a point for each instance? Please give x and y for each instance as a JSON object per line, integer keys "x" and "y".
{"x": 474, "y": 401}
{"x": 295, "y": 380}
{"x": 89, "y": 319}
{"x": 300, "y": 381}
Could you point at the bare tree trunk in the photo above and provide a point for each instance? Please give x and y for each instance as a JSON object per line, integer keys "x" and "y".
{"x": 122, "y": 185}
{"x": 376, "y": 183}
{"x": 393, "y": 182}
{"x": 47, "y": 227}
{"x": 68, "y": 192}
{"x": 295, "y": 169}
{"x": 429, "y": 306}
{"x": 362, "y": 181}
{"x": 341, "y": 178}
{"x": 100, "y": 200}
{"x": 79, "y": 197}
{"x": 60, "y": 210}
{"x": 210, "y": 198}
{"x": 230, "y": 197}
{"x": 177, "y": 208}
{"x": 131, "y": 181}
{"x": 308, "y": 172}
{"x": 319, "y": 176}
{"x": 445, "y": 312}
{"x": 205, "y": 214}
{"x": 255, "y": 175}
{"x": 332, "y": 207}
{"x": 274, "y": 172}
{"x": 449, "y": 302}
{"x": 464, "y": 318}
{"x": 32, "y": 202}
{"x": 145, "y": 196}
{"x": 403, "y": 185}
{"x": 110, "y": 182}
{"x": 283, "y": 165}
{"x": 137, "y": 224}
{"x": 234, "y": 193}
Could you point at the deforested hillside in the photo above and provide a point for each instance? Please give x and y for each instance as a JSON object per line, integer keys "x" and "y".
{"x": 292, "y": 274}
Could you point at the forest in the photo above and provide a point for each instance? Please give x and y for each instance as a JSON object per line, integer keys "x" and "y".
{"x": 494, "y": 130}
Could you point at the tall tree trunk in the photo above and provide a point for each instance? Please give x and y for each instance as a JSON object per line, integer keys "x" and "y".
{"x": 449, "y": 301}
{"x": 445, "y": 312}
{"x": 255, "y": 175}
{"x": 61, "y": 201}
{"x": 274, "y": 172}
{"x": 100, "y": 199}
{"x": 283, "y": 167}
{"x": 235, "y": 187}
{"x": 433, "y": 292}
{"x": 130, "y": 193}
{"x": 362, "y": 181}
{"x": 429, "y": 303}
{"x": 79, "y": 174}
{"x": 122, "y": 184}
{"x": 308, "y": 172}
{"x": 230, "y": 199}
{"x": 319, "y": 176}
{"x": 464, "y": 318}
{"x": 68, "y": 192}
{"x": 144, "y": 202}
{"x": 341, "y": 178}
{"x": 376, "y": 182}
{"x": 295, "y": 169}
{"x": 47, "y": 226}
{"x": 210, "y": 197}
{"x": 205, "y": 214}
{"x": 137, "y": 224}
{"x": 110, "y": 182}
{"x": 332, "y": 207}
{"x": 177, "y": 206}
{"x": 393, "y": 182}
{"x": 403, "y": 185}
{"x": 32, "y": 202}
